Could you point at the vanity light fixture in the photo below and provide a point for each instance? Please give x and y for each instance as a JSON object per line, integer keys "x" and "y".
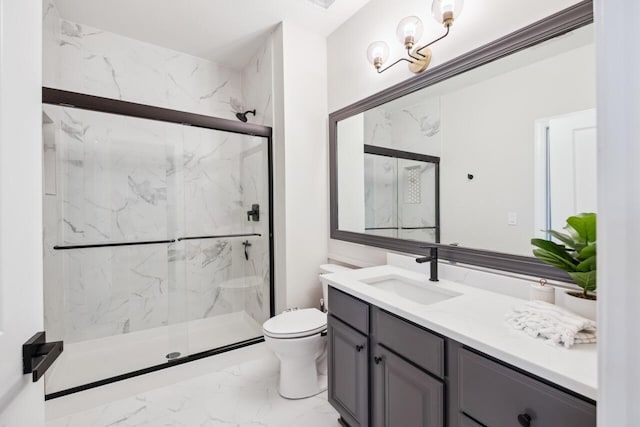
{"x": 409, "y": 31}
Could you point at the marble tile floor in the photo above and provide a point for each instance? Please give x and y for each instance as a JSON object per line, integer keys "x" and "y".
{"x": 243, "y": 395}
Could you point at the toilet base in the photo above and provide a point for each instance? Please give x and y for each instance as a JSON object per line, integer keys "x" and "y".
{"x": 299, "y": 380}
{"x": 303, "y": 365}
{"x": 322, "y": 381}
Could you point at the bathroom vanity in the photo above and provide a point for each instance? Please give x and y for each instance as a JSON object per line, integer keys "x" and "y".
{"x": 404, "y": 351}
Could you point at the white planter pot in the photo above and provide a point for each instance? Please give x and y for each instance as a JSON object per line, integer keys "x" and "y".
{"x": 580, "y": 306}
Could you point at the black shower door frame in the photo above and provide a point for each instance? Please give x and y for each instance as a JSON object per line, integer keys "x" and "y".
{"x": 82, "y": 101}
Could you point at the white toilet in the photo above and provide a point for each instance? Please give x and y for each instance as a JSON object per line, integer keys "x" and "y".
{"x": 298, "y": 339}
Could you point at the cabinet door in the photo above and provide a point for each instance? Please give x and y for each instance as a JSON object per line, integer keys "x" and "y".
{"x": 348, "y": 372}
{"x": 404, "y": 395}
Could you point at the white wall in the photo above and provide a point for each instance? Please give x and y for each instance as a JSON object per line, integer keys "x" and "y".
{"x": 488, "y": 131}
{"x": 21, "y": 400}
{"x": 618, "y": 59}
{"x": 351, "y": 77}
{"x": 302, "y": 148}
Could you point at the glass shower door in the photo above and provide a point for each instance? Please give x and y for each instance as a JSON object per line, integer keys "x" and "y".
{"x": 225, "y": 239}
{"x": 157, "y": 242}
{"x": 110, "y": 291}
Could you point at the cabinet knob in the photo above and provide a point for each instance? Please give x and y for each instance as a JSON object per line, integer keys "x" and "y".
{"x": 359, "y": 348}
{"x": 377, "y": 359}
{"x": 524, "y": 420}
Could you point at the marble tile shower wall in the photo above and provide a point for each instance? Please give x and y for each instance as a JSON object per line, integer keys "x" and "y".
{"x": 84, "y": 59}
{"x": 257, "y": 84}
{"x": 381, "y": 193}
{"x": 152, "y": 178}
{"x": 124, "y": 179}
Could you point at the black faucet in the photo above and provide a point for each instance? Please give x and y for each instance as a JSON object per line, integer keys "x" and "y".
{"x": 433, "y": 259}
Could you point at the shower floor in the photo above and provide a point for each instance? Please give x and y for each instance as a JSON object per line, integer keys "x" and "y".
{"x": 94, "y": 360}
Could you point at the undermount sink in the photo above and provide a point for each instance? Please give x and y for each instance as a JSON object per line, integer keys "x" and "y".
{"x": 411, "y": 289}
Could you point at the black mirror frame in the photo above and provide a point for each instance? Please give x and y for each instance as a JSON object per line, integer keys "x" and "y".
{"x": 567, "y": 20}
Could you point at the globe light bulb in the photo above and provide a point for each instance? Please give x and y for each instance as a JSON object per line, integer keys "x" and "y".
{"x": 446, "y": 11}
{"x": 378, "y": 53}
{"x": 409, "y": 31}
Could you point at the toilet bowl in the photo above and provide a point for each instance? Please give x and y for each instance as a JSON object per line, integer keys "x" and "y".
{"x": 298, "y": 339}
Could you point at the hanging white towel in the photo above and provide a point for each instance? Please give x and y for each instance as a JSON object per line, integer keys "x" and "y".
{"x": 552, "y": 323}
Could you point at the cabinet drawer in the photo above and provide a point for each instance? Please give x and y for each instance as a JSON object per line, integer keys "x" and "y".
{"x": 497, "y": 396}
{"x": 411, "y": 342}
{"x": 350, "y": 310}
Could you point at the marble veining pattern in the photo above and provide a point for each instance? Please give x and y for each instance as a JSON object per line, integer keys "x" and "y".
{"x": 112, "y": 178}
{"x": 83, "y": 59}
{"x": 244, "y": 395}
{"x": 381, "y": 191}
{"x": 413, "y": 128}
{"x": 257, "y": 78}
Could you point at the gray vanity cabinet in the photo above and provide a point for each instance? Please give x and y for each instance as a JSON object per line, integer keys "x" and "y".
{"x": 348, "y": 363}
{"x": 402, "y": 387}
{"x": 385, "y": 371}
{"x": 404, "y": 395}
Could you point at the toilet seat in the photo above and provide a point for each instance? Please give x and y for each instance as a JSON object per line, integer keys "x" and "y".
{"x": 296, "y": 324}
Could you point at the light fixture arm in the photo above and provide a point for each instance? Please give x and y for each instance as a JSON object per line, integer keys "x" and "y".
{"x": 397, "y": 62}
{"x": 414, "y": 57}
{"x": 434, "y": 41}
{"x": 409, "y": 31}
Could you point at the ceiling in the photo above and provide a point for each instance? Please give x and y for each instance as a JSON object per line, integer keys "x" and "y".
{"x": 227, "y": 31}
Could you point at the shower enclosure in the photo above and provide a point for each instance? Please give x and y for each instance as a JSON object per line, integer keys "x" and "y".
{"x": 401, "y": 194}
{"x": 158, "y": 237}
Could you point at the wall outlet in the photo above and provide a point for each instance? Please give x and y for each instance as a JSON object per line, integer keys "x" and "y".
{"x": 512, "y": 218}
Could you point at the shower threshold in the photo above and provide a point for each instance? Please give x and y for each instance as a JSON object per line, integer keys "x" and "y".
{"x": 82, "y": 364}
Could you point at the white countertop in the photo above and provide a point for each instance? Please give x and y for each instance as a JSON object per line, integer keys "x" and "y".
{"x": 476, "y": 319}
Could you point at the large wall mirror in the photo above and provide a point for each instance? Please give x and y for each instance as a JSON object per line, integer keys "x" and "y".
{"x": 479, "y": 155}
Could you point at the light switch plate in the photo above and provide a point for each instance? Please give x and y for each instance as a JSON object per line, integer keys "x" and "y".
{"x": 512, "y": 218}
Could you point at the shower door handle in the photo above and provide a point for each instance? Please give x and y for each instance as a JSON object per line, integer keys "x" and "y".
{"x": 38, "y": 355}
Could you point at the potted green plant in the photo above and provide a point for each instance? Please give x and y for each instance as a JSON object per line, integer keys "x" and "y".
{"x": 575, "y": 254}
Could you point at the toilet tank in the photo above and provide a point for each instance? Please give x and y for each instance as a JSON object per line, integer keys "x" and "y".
{"x": 326, "y": 269}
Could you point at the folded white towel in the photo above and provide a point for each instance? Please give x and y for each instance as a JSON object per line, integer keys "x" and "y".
{"x": 552, "y": 323}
